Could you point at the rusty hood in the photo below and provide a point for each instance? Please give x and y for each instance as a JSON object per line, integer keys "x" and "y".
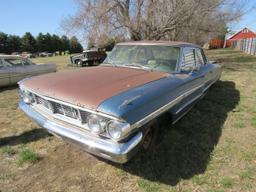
{"x": 88, "y": 87}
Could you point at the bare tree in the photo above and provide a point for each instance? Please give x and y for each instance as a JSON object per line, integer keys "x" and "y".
{"x": 188, "y": 20}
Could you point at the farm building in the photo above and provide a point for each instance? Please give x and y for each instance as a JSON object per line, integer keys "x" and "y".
{"x": 243, "y": 34}
{"x": 216, "y": 43}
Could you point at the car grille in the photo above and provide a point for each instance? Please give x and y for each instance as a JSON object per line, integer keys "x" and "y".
{"x": 61, "y": 109}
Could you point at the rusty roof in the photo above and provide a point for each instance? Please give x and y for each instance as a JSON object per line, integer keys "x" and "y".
{"x": 163, "y": 43}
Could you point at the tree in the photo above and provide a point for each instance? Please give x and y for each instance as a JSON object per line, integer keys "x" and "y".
{"x": 14, "y": 43}
{"x": 192, "y": 20}
{"x": 75, "y": 46}
{"x": 56, "y": 43}
{"x": 48, "y": 42}
{"x": 28, "y": 43}
{"x": 64, "y": 43}
{"x": 3, "y": 42}
{"x": 104, "y": 41}
{"x": 41, "y": 44}
{"x": 44, "y": 42}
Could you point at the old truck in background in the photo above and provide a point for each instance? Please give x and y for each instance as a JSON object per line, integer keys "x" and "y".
{"x": 88, "y": 58}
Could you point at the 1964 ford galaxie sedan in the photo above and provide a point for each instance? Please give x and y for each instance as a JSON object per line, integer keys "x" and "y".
{"x": 114, "y": 111}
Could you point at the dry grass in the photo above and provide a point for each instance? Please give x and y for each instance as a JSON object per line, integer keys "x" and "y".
{"x": 211, "y": 149}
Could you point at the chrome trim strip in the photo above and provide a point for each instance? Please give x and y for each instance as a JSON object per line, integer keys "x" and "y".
{"x": 206, "y": 88}
{"x": 163, "y": 108}
{"x": 181, "y": 116}
{"x": 168, "y": 106}
{"x": 105, "y": 148}
{"x": 188, "y": 103}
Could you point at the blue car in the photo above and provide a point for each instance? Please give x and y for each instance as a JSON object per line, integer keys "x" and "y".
{"x": 115, "y": 111}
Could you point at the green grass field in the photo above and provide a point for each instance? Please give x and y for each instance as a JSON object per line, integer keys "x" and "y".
{"x": 211, "y": 149}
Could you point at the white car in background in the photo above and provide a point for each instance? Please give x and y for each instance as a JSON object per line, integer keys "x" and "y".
{"x": 15, "y": 68}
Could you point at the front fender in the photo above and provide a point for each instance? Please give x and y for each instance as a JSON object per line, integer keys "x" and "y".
{"x": 137, "y": 103}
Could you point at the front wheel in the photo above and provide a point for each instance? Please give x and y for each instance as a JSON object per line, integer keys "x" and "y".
{"x": 79, "y": 63}
{"x": 150, "y": 136}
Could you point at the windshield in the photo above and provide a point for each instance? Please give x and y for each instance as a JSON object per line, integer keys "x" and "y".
{"x": 152, "y": 57}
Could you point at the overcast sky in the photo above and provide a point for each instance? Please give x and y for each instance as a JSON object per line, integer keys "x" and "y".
{"x": 20, "y": 16}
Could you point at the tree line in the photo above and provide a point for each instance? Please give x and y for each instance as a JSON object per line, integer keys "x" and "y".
{"x": 41, "y": 43}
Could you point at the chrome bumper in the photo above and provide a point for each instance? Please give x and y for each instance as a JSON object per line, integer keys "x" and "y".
{"x": 107, "y": 149}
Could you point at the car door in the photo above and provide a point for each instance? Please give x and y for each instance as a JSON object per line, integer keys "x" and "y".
{"x": 16, "y": 69}
{"x": 30, "y": 68}
{"x": 193, "y": 69}
{"x": 206, "y": 69}
{"x": 193, "y": 77}
{"x": 4, "y": 74}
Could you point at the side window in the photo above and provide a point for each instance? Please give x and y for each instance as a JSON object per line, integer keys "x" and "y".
{"x": 199, "y": 58}
{"x": 189, "y": 58}
{"x": 14, "y": 62}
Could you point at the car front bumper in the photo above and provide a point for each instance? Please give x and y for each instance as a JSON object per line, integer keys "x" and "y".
{"x": 105, "y": 148}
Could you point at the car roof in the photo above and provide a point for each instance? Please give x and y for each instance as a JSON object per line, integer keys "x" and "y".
{"x": 160, "y": 43}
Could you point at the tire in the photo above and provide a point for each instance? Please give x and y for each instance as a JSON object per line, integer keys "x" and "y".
{"x": 150, "y": 136}
{"x": 79, "y": 63}
{"x": 96, "y": 63}
{"x": 90, "y": 63}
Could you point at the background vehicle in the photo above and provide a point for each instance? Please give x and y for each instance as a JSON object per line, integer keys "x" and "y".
{"x": 88, "y": 57}
{"x": 15, "y": 68}
{"x": 45, "y": 54}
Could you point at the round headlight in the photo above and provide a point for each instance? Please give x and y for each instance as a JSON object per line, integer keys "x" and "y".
{"x": 95, "y": 124}
{"x": 116, "y": 129}
{"x": 28, "y": 97}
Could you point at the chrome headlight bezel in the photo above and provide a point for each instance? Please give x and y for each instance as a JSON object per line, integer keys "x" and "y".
{"x": 117, "y": 130}
{"x": 114, "y": 129}
{"x": 96, "y": 124}
{"x": 26, "y": 96}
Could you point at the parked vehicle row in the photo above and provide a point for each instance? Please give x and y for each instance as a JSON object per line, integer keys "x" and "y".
{"x": 15, "y": 68}
{"x": 115, "y": 111}
{"x": 33, "y": 55}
